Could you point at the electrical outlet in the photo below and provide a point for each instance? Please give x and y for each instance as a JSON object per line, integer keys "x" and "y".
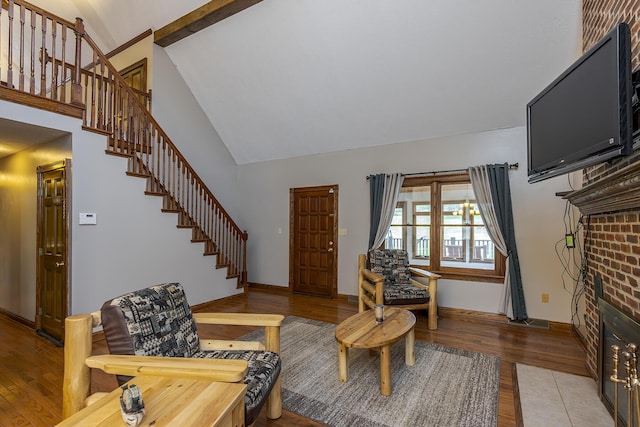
{"x": 545, "y": 298}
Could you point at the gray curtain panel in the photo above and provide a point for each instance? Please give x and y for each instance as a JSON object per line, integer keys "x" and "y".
{"x": 382, "y": 203}
{"x": 493, "y": 192}
{"x": 376, "y": 190}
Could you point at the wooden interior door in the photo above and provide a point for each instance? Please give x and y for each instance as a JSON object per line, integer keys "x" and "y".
{"x": 51, "y": 277}
{"x": 314, "y": 244}
{"x": 135, "y": 75}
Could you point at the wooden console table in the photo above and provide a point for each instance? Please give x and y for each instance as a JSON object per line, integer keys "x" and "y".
{"x": 171, "y": 401}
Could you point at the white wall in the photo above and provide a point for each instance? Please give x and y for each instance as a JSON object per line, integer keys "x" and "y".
{"x": 133, "y": 245}
{"x": 181, "y": 117}
{"x": 18, "y": 224}
{"x": 538, "y": 213}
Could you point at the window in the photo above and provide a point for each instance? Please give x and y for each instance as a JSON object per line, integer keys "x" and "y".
{"x": 421, "y": 230}
{"x": 439, "y": 215}
{"x": 397, "y": 235}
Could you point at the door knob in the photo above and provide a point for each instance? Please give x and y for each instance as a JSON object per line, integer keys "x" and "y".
{"x": 330, "y": 250}
{"x": 59, "y": 264}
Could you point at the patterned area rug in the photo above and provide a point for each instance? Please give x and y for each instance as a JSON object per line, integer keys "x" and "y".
{"x": 446, "y": 386}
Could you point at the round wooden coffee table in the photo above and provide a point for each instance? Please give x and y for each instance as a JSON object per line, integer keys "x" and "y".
{"x": 361, "y": 331}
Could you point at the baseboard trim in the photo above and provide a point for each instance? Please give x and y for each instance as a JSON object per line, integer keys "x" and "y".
{"x": 286, "y": 290}
{"x": 492, "y": 317}
{"x": 26, "y": 322}
{"x": 471, "y": 314}
{"x": 267, "y": 287}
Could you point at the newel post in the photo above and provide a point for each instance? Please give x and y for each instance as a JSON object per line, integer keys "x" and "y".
{"x": 76, "y": 87}
{"x": 245, "y": 236}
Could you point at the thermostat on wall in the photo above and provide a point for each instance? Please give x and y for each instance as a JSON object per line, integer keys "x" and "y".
{"x": 87, "y": 218}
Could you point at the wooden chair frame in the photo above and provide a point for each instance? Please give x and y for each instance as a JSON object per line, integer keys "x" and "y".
{"x": 371, "y": 290}
{"x": 78, "y": 360}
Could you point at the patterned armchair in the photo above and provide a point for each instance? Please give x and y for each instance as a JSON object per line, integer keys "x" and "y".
{"x": 157, "y": 322}
{"x": 390, "y": 280}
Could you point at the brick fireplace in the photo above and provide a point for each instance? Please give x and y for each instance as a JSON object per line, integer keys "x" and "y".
{"x": 612, "y": 240}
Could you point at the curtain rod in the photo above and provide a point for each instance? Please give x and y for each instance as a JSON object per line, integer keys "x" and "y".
{"x": 452, "y": 171}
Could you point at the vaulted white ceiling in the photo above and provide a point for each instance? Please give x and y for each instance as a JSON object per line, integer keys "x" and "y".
{"x": 289, "y": 78}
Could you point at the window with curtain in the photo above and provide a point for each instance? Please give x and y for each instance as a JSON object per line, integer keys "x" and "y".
{"x": 437, "y": 221}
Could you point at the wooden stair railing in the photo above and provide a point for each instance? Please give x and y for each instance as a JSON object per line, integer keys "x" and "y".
{"x": 26, "y": 31}
{"x": 110, "y": 107}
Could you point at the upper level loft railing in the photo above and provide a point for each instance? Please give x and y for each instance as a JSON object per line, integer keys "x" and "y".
{"x": 41, "y": 57}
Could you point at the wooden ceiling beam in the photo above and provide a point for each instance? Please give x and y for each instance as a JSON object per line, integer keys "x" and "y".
{"x": 204, "y": 16}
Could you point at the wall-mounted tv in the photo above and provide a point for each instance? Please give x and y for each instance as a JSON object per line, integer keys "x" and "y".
{"x": 584, "y": 116}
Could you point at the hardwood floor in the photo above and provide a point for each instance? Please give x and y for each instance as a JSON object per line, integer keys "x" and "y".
{"x": 31, "y": 367}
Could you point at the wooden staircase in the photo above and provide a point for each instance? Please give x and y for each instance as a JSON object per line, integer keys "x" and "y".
{"x": 37, "y": 69}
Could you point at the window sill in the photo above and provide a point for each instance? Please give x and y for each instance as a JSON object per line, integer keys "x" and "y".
{"x": 470, "y": 277}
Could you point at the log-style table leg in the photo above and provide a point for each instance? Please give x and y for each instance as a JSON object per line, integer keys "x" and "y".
{"x": 409, "y": 351}
{"x": 343, "y": 362}
{"x": 385, "y": 370}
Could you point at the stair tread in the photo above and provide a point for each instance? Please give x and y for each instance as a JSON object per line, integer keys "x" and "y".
{"x": 138, "y": 174}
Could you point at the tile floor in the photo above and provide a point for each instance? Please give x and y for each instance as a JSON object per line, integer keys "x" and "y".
{"x": 551, "y": 398}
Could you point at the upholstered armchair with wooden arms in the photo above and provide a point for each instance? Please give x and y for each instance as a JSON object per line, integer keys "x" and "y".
{"x": 153, "y": 331}
{"x": 390, "y": 280}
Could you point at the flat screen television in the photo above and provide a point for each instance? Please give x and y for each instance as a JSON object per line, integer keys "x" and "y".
{"x": 583, "y": 117}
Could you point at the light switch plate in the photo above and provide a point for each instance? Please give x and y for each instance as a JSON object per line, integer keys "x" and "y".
{"x": 88, "y": 218}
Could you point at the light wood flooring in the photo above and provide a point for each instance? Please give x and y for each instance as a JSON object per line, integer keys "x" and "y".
{"x": 31, "y": 367}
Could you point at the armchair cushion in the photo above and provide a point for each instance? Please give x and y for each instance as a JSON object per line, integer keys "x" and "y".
{"x": 393, "y": 265}
{"x": 264, "y": 368}
{"x": 405, "y": 293}
{"x": 154, "y": 321}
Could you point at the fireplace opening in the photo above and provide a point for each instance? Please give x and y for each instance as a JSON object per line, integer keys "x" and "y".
{"x": 617, "y": 329}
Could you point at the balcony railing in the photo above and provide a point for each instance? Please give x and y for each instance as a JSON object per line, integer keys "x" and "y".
{"x": 452, "y": 249}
